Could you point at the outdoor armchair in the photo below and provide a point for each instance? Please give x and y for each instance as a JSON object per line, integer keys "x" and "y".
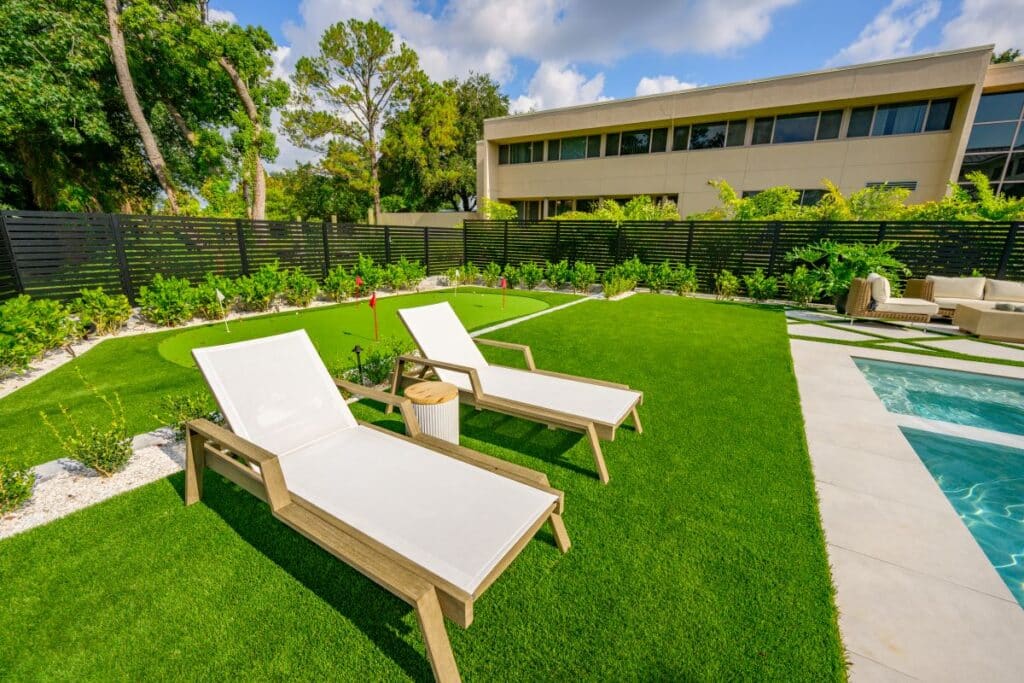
{"x": 433, "y": 523}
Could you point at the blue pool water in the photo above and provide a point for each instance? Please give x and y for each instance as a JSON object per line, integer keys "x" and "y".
{"x": 985, "y": 484}
{"x": 965, "y": 398}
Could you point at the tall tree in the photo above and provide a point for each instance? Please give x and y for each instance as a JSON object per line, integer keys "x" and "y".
{"x": 347, "y": 92}
{"x": 1007, "y": 55}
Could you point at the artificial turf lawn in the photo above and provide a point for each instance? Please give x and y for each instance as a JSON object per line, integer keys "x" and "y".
{"x": 144, "y": 369}
{"x": 703, "y": 558}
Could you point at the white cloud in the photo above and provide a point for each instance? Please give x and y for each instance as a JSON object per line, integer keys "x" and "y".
{"x": 559, "y": 85}
{"x": 891, "y": 33}
{"x": 222, "y": 15}
{"x": 660, "y": 84}
{"x": 986, "y": 21}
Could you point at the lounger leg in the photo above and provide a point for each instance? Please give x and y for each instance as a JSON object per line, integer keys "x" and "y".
{"x": 394, "y": 385}
{"x": 636, "y": 422}
{"x": 595, "y": 445}
{"x": 439, "y": 648}
{"x": 195, "y": 463}
{"x": 561, "y": 536}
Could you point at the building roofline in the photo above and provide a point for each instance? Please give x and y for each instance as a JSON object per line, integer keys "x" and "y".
{"x": 753, "y": 81}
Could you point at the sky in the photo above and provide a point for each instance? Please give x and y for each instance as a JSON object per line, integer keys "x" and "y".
{"x": 554, "y": 53}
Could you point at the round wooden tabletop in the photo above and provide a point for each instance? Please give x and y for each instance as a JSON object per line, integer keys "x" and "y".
{"x": 431, "y": 393}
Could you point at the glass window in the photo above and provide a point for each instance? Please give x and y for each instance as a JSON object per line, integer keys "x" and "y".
{"x": 538, "y": 150}
{"x": 556, "y": 207}
{"x": 989, "y": 164}
{"x": 1015, "y": 171}
{"x": 707, "y": 135}
{"x": 811, "y": 197}
{"x": 680, "y": 138}
{"x": 828, "y": 125}
{"x": 587, "y": 205}
{"x": 554, "y": 150}
{"x": 611, "y": 145}
{"x": 991, "y": 136}
{"x": 594, "y": 146}
{"x": 899, "y": 119}
{"x": 1015, "y": 190}
{"x": 503, "y": 154}
{"x": 519, "y": 153}
{"x": 795, "y": 127}
{"x": 1019, "y": 144}
{"x": 659, "y": 139}
{"x": 1002, "y": 107}
{"x": 737, "y": 133}
{"x": 574, "y": 148}
{"x": 763, "y": 130}
{"x": 860, "y": 122}
{"x": 636, "y": 141}
{"x": 940, "y": 115}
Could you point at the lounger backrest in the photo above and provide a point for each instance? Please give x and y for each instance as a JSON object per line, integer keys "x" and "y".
{"x": 275, "y": 391}
{"x": 441, "y": 336}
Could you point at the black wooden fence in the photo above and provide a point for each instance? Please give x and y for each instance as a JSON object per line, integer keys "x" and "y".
{"x": 56, "y": 254}
{"x": 995, "y": 249}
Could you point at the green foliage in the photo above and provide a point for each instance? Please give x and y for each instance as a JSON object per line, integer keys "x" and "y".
{"x": 1008, "y": 55}
{"x": 468, "y": 274}
{"x": 659, "y": 276}
{"x": 451, "y": 276}
{"x": 684, "y": 279}
{"x": 258, "y": 291}
{"x": 108, "y": 312}
{"x": 29, "y": 327}
{"x": 634, "y": 269}
{"x": 105, "y": 448}
{"x": 414, "y": 271}
{"x": 339, "y": 284}
{"x": 761, "y": 287}
{"x": 378, "y": 362}
{"x": 513, "y": 276}
{"x": 491, "y": 275}
{"x": 178, "y": 410}
{"x": 583, "y": 276}
{"x": 204, "y": 296}
{"x": 298, "y": 288}
{"x": 530, "y": 275}
{"x": 802, "y": 284}
{"x": 496, "y": 211}
{"x": 640, "y": 208}
{"x": 371, "y": 274}
{"x": 15, "y": 487}
{"x": 617, "y": 280}
{"x": 557, "y": 274}
{"x": 727, "y": 285}
{"x": 836, "y": 264}
{"x": 167, "y": 301}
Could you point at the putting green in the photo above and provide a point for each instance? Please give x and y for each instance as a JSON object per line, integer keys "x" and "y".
{"x": 336, "y": 329}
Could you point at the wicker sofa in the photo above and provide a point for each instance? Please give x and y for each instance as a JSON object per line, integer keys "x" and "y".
{"x": 948, "y": 292}
{"x": 870, "y": 297}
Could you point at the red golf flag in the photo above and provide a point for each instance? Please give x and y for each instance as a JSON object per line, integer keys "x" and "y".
{"x": 504, "y": 283}
{"x": 373, "y": 300}
{"x": 373, "y": 305}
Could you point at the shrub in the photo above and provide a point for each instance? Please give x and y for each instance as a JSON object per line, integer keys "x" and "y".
{"x": 378, "y": 362}
{"x": 299, "y": 289}
{"x": 512, "y": 275}
{"x": 179, "y": 410}
{"x": 727, "y": 285}
{"x": 583, "y": 276}
{"x": 105, "y": 448}
{"x": 684, "y": 279}
{"x": 837, "y": 264}
{"x": 760, "y": 286}
{"x": 802, "y": 284}
{"x": 107, "y": 312}
{"x": 28, "y": 327}
{"x": 557, "y": 274}
{"x": 339, "y": 284}
{"x": 497, "y": 211}
{"x": 205, "y": 300}
{"x": 258, "y": 291}
{"x": 371, "y": 274}
{"x": 414, "y": 271}
{"x": 616, "y": 281}
{"x": 659, "y": 276}
{"x": 530, "y": 275}
{"x": 167, "y": 301}
{"x": 491, "y": 275}
{"x": 468, "y": 274}
{"x": 15, "y": 487}
{"x": 634, "y": 270}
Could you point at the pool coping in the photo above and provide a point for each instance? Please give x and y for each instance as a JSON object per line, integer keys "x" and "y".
{"x": 917, "y": 597}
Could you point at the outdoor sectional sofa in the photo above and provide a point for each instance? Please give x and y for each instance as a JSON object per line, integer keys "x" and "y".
{"x": 871, "y": 297}
{"x": 949, "y": 292}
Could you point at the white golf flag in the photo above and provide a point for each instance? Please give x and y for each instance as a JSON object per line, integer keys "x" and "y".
{"x": 220, "y": 296}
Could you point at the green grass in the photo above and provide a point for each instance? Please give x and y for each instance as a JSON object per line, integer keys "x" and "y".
{"x": 144, "y": 369}
{"x": 702, "y": 560}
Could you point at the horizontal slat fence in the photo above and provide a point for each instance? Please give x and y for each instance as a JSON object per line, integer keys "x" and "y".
{"x": 995, "y": 249}
{"x": 56, "y": 254}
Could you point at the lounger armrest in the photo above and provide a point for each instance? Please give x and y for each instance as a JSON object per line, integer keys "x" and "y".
{"x": 920, "y": 289}
{"x": 239, "y": 446}
{"x": 474, "y": 376}
{"x": 527, "y": 353}
{"x": 412, "y": 424}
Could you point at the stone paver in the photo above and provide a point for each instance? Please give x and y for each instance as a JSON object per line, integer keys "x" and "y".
{"x": 892, "y": 331}
{"x": 813, "y": 315}
{"x": 974, "y": 347}
{"x": 825, "y": 332}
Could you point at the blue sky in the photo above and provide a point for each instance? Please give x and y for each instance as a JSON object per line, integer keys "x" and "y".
{"x": 549, "y": 53}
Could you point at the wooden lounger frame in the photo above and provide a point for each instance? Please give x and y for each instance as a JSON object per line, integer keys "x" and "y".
{"x": 223, "y": 451}
{"x": 476, "y": 397}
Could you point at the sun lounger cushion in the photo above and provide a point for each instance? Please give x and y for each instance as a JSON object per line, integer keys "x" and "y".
{"x": 455, "y": 520}
{"x": 441, "y": 336}
{"x": 897, "y": 305}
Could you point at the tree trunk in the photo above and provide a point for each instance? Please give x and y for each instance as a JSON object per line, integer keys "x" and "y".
{"x": 259, "y": 176}
{"x": 119, "y": 56}
{"x": 179, "y": 121}
{"x": 374, "y": 177}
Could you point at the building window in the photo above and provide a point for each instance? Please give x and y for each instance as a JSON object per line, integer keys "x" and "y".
{"x": 503, "y": 154}
{"x": 795, "y": 128}
{"x": 588, "y": 204}
{"x": 990, "y": 164}
{"x": 991, "y": 136}
{"x": 636, "y": 141}
{"x": 828, "y": 124}
{"x": 860, "y": 122}
{"x": 659, "y": 140}
{"x": 573, "y": 148}
{"x": 556, "y": 207}
{"x": 527, "y": 210}
{"x": 1000, "y": 107}
{"x": 1015, "y": 169}
{"x": 804, "y": 197}
{"x": 611, "y": 145}
{"x": 737, "y": 133}
{"x": 593, "y": 146}
{"x": 905, "y": 184}
{"x": 998, "y": 131}
{"x": 707, "y": 135}
{"x": 763, "y": 130}
{"x": 940, "y": 115}
{"x": 899, "y": 119}
{"x": 521, "y": 152}
{"x": 680, "y": 138}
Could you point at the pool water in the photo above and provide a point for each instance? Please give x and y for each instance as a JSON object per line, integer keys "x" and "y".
{"x": 985, "y": 484}
{"x": 964, "y": 398}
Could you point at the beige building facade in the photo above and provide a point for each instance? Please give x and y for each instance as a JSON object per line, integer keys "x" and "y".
{"x": 920, "y": 122}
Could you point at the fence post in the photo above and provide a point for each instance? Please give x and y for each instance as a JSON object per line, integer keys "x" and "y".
{"x": 618, "y": 244}
{"x": 387, "y": 244}
{"x": 426, "y": 249}
{"x": 883, "y": 227}
{"x": 465, "y": 242}
{"x": 504, "y": 250}
{"x": 243, "y": 252}
{"x": 558, "y": 240}
{"x": 1004, "y": 259}
{"x": 122, "y": 258}
{"x": 689, "y": 243}
{"x": 19, "y": 287}
{"x": 324, "y": 228}
{"x": 773, "y": 250}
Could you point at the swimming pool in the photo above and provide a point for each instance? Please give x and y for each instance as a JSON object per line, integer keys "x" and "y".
{"x": 985, "y": 484}
{"x": 964, "y": 398}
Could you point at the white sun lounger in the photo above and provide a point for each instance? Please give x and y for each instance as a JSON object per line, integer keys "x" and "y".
{"x": 591, "y": 406}
{"x": 433, "y": 523}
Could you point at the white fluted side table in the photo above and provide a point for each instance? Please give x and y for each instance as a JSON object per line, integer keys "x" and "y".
{"x": 436, "y": 405}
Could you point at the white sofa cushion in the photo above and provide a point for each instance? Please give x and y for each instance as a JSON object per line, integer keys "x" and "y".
{"x": 953, "y": 302}
{"x": 898, "y": 305}
{"x": 1004, "y": 290}
{"x": 880, "y": 289}
{"x": 957, "y": 287}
